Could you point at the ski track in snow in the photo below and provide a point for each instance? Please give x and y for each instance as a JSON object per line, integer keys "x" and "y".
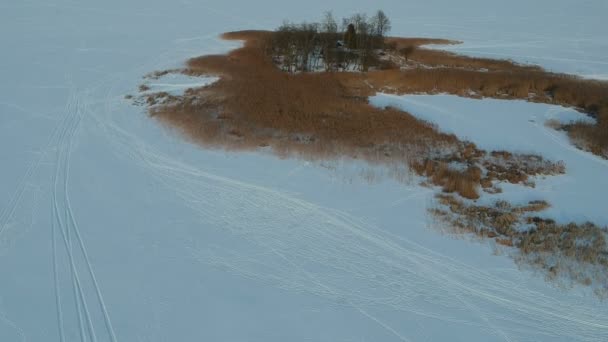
{"x": 299, "y": 246}
{"x": 65, "y": 222}
{"x": 303, "y": 234}
{"x": 320, "y": 236}
{"x": 330, "y": 254}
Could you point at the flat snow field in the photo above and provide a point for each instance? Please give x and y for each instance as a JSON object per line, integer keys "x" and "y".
{"x": 113, "y": 228}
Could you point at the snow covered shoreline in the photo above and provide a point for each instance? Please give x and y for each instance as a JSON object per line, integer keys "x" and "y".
{"x": 520, "y": 127}
{"x": 187, "y": 244}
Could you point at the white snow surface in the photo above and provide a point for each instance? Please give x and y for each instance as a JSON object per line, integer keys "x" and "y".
{"x": 519, "y": 126}
{"x": 113, "y": 228}
{"x": 562, "y": 36}
{"x": 176, "y": 83}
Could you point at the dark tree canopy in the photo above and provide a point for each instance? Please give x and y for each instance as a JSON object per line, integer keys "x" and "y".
{"x": 350, "y": 37}
{"x": 381, "y": 23}
{"x": 309, "y": 46}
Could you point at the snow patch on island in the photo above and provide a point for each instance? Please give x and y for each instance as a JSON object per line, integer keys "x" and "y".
{"x": 520, "y": 127}
{"x": 176, "y": 84}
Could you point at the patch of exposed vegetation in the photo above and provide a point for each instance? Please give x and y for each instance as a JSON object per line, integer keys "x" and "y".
{"x": 402, "y": 66}
{"x": 160, "y": 73}
{"x": 517, "y": 168}
{"x": 568, "y": 253}
{"x": 469, "y": 168}
{"x": 358, "y": 44}
{"x": 289, "y": 92}
{"x": 324, "y": 114}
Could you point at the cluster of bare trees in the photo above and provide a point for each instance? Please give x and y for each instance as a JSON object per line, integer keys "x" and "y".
{"x": 329, "y": 46}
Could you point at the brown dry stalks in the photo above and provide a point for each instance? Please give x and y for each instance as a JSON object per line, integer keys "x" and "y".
{"x": 516, "y": 168}
{"x": 432, "y": 58}
{"x": 327, "y": 115}
{"x": 436, "y": 71}
{"x": 570, "y": 253}
{"x": 470, "y": 168}
{"x": 314, "y": 115}
{"x": 464, "y": 182}
{"x": 537, "y": 86}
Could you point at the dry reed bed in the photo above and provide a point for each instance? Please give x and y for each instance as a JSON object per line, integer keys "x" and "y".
{"x": 570, "y": 253}
{"x": 314, "y": 115}
{"x": 327, "y": 115}
{"x": 445, "y": 72}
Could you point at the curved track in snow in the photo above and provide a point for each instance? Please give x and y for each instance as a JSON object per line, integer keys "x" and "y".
{"x": 113, "y": 230}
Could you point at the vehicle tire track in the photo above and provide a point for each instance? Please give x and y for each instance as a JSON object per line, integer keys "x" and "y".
{"x": 56, "y": 281}
{"x": 70, "y": 212}
{"x": 55, "y": 219}
{"x": 81, "y": 306}
{"x": 16, "y": 197}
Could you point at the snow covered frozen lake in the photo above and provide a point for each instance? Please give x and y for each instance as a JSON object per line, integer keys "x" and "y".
{"x": 114, "y": 229}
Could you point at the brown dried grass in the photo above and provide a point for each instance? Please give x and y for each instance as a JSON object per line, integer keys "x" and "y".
{"x": 462, "y": 182}
{"x": 576, "y": 253}
{"x": 319, "y": 115}
{"x": 400, "y": 42}
{"x": 327, "y": 115}
{"x": 442, "y": 72}
{"x": 444, "y": 59}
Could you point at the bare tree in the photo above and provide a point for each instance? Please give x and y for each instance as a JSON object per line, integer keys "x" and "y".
{"x": 305, "y": 42}
{"x": 302, "y": 47}
{"x": 359, "y": 20}
{"x": 329, "y": 24}
{"x": 328, "y": 39}
{"x": 282, "y": 49}
{"x": 364, "y": 46}
{"x": 381, "y": 24}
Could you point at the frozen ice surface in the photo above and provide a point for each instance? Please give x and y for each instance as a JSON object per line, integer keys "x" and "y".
{"x": 112, "y": 228}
